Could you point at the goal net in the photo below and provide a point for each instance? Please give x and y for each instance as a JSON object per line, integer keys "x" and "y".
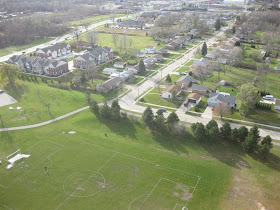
{"x": 13, "y": 155}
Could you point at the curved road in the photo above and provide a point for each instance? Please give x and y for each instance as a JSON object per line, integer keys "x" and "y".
{"x": 128, "y": 102}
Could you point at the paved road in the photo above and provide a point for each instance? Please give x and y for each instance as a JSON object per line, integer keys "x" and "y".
{"x": 128, "y": 102}
{"x": 59, "y": 39}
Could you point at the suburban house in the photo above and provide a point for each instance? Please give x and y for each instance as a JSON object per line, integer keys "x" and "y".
{"x": 133, "y": 69}
{"x": 223, "y": 82}
{"x": 149, "y": 49}
{"x": 41, "y": 66}
{"x": 172, "y": 89}
{"x": 201, "y": 62}
{"x": 109, "y": 85}
{"x": 109, "y": 71}
{"x": 193, "y": 98}
{"x": 141, "y": 55}
{"x": 176, "y": 44}
{"x": 215, "y": 98}
{"x": 125, "y": 75}
{"x": 162, "y": 51}
{"x": 98, "y": 55}
{"x": 54, "y": 51}
{"x": 197, "y": 70}
{"x": 81, "y": 45}
{"x": 277, "y": 104}
{"x": 119, "y": 65}
{"x": 157, "y": 58}
{"x": 131, "y": 24}
{"x": 200, "y": 89}
{"x": 186, "y": 81}
{"x": 148, "y": 62}
{"x": 150, "y": 14}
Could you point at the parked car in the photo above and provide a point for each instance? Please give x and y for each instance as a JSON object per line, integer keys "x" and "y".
{"x": 162, "y": 109}
{"x": 23, "y": 52}
{"x": 268, "y": 97}
{"x": 1, "y": 91}
{"x": 183, "y": 73}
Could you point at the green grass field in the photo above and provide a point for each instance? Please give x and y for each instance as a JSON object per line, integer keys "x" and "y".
{"x": 93, "y": 19}
{"x": 11, "y": 49}
{"x": 131, "y": 168}
{"x": 31, "y": 94}
{"x": 138, "y": 42}
{"x": 183, "y": 69}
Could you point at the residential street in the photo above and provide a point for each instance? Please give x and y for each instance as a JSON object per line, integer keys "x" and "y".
{"x": 127, "y": 102}
{"x": 59, "y": 39}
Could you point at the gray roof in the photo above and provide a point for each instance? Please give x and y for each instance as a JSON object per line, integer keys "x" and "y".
{"x": 199, "y": 87}
{"x": 54, "y": 47}
{"x": 187, "y": 79}
{"x": 222, "y": 97}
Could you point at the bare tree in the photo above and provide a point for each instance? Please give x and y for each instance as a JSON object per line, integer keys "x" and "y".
{"x": 76, "y": 80}
{"x": 76, "y": 34}
{"x": 92, "y": 38}
{"x": 222, "y": 109}
{"x": 91, "y": 71}
{"x": 115, "y": 38}
{"x": 234, "y": 57}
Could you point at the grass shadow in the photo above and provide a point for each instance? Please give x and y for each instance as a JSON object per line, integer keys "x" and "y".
{"x": 227, "y": 153}
{"x": 16, "y": 91}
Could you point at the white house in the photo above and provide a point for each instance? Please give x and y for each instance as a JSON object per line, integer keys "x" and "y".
{"x": 119, "y": 65}
{"x": 141, "y": 55}
{"x": 167, "y": 93}
{"x": 124, "y": 75}
{"x": 277, "y": 104}
{"x": 133, "y": 69}
{"x": 148, "y": 61}
{"x": 149, "y": 49}
{"x": 216, "y": 98}
{"x": 109, "y": 71}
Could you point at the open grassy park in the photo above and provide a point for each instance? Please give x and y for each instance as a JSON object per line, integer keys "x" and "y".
{"x": 38, "y": 94}
{"x": 132, "y": 168}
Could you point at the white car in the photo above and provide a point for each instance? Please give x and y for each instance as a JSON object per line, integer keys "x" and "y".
{"x": 1, "y": 91}
{"x": 268, "y": 97}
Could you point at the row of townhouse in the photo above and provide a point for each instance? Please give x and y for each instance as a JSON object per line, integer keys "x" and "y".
{"x": 54, "y": 51}
{"x": 98, "y": 55}
{"x": 37, "y": 65}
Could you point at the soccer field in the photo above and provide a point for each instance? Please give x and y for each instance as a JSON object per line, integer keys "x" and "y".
{"x": 82, "y": 174}
{"x": 131, "y": 168}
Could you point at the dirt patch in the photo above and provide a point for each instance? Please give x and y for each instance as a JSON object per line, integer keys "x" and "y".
{"x": 243, "y": 193}
{"x": 182, "y": 191}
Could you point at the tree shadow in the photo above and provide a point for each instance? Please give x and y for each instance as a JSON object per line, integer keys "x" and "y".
{"x": 16, "y": 91}
{"x": 227, "y": 153}
{"x": 122, "y": 127}
{"x": 170, "y": 141}
{"x": 272, "y": 161}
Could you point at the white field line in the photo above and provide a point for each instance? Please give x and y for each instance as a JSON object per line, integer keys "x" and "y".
{"x": 169, "y": 180}
{"x": 185, "y": 206}
{"x": 85, "y": 181}
{"x": 6, "y": 206}
{"x": 150, "y": 193}
{"x": 3, "y": 186}
{"x": 154, "y": 163}
{"x": 135, "y": 200}
{"x": 34, "y": 167}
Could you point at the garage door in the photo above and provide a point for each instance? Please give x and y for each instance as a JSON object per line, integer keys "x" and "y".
{"x": 192, "y": 101}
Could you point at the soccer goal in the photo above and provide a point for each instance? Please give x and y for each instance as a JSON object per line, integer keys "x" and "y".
{"x": 9, "y": 157}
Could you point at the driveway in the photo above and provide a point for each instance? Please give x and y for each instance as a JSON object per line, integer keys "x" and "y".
{"x": 6, "y": 99}
{"x": 207, "y": 113}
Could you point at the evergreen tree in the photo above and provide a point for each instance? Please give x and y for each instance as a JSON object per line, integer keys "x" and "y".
{"x": 251, "y": 142}
{"x": 105, "y": 111}
{"x": 268, "y": 141}
{"x": 211, "y": 124}
{"x": 148, "y": 116}
{"x": 226, "y": 132}
{"x": 213, "y": 131}
{"x": 235, "y": 135}
{"x": 199, "y": 132}
{"x": 233, "y": 30}
{"x": 168, "y": 79}
{"x": 159, "y": 112}
{"x": 115, "y": 109}
{"x": 142, "y": 67}
{"x": 88, "y": 98}
{"x": 218, "y": 24}
{"x": 94, "y": 108}
{"x": 243, "y": 133}
{"x": 204, "y": 49}
{"x": 172, "y": 119}
{"x": 159, "y": 122}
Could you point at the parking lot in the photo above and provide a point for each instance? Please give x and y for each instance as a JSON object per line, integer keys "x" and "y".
{"x": 6, "y": 99}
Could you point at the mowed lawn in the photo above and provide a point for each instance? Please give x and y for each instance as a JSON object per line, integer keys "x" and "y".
{"x": 11, "y": 49}
{"x": 130, "y": 168}
{"x": 32, "y": 94}
{"x": 93, "y": 19}
{"x": 138, "y": 42}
